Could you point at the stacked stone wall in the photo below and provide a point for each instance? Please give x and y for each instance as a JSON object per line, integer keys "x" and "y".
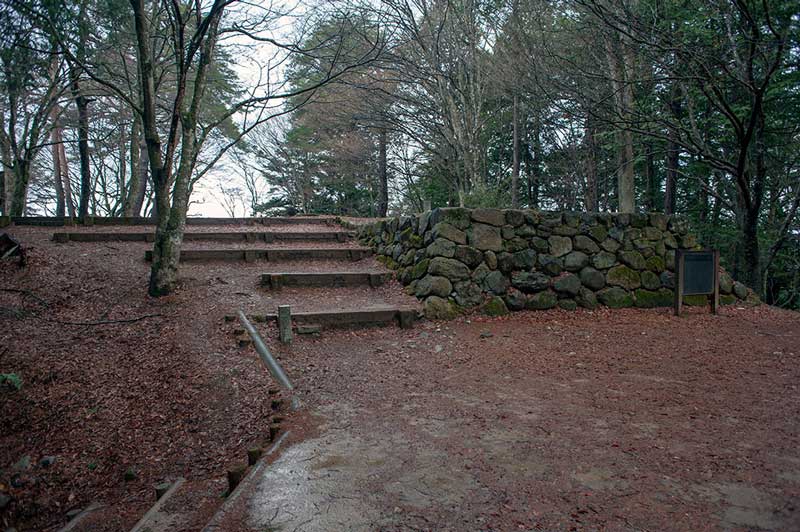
{"x": 458, "y": 259}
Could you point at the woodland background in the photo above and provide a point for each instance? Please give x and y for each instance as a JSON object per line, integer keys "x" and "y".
{"x": 363, "y": 108}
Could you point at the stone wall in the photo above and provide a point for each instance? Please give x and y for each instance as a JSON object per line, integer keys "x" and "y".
{"x": 457, "y": 259}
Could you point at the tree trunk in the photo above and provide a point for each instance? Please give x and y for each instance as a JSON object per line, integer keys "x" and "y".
{"x": 515, "y": 162}
{"x": 56, "y": 141}
{"x": 590, "y": 194}
{"x": 19, "y": 197}
{"x": 383, "y": 175}
{"x": 750, "y": 263}
{"x": 650, "y": 177}
{"x": 137, "y": 183}
{"x": 82, "y": 105}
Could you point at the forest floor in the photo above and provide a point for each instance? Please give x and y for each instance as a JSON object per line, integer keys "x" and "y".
{"x": 603, "y": 420}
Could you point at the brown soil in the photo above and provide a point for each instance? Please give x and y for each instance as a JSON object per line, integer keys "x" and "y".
{"x": 166, "y": 396}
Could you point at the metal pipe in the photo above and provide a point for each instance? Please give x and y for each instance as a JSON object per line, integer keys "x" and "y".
{"x": 274, "y": 368}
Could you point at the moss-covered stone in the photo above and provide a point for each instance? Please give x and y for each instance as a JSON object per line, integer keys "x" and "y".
{"x": 468, "y": 255}
{"x": 604, "y": 260}
{"x": 494, "y": 217}
{"x": 485, "y": 237}
{"x": 633, "y": 259}
{"x": 450, "y": 268}
{"x": 456, "y": 216}
{"x": 437, "y": 308}
{"x": 653, "y": 298}
{"x": 659, "y": 220}
{"x": 419, "y": 269}
{"x": 515, "y": 217}
{"x": 615, "y": 297}
{"x": 559, "y": 245}
{"x": 586, "y": 299}
{"x": 467, "y": 293}
{"x": 727, "y": 299}
{"x": 650, "y": 280}
{"x": 696, "y": 300}
{"x": 495, "y": 306}
{"x": 567, "y": 284}
{"x": 542, "y": 301}
{"x": 515, "y": 300}
{"x": 433, "y": 285}
{"x": 656, "y": 264}
{"x": 585, "y": 244}
{"x": 450, "y": 232}
{"x": 441, "y": 247}
{"x": 725, "y": 283}
{"x": 567, "y": 304}
{"x": 624, "y": 277}
{"x": 598, "y": 232}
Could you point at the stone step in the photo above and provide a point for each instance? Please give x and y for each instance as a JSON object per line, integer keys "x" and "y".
{"x": 232, "y": 236}
{"x": 330, "y": 319}
{"x": 271, "y": 255}
{"x": 136, "y": 220}
{"x": 275, "y": 281}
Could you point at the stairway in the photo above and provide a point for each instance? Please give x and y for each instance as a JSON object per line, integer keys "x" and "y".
{"x": 327, "y": 279}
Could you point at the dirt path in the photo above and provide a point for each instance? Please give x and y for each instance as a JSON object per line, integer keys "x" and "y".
{"x": 624, "y": 420}
{"x": 122, "y": 406}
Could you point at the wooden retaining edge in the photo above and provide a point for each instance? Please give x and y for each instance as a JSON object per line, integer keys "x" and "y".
{"x": 271, "y": 255}
{"x": 233, "y": 236}
{"x": 404, "y": 317}
{"x": 75, "y": 521}
{"x": 276, "y": 281}
{"x": 123, "y": 220}
{"x": 216, "y": 520}
{"x": 142, "y": 525}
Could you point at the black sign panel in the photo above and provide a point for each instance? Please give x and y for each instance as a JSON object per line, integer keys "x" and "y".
{"x": 698, "y": 272}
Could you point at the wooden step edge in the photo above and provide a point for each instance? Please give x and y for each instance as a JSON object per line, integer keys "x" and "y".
{"x": 270, "y": 255}
{"x": 145, "y": 524}
{"x": 404, "y": 317}
{"x": 278, "y": 280}
{"x": 236, "y": 236}
{"x": 216, "y": 520}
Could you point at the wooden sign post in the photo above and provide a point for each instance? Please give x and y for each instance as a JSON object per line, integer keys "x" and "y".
{"x": 697, "y": 273}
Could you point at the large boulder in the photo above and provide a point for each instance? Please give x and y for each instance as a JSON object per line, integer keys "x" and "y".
{"x": 567, "y": 284}
{"x": 651, "y": 299}
{"x": 485, "y": 237}
{"x": 433, "y": 285}
{"x": 592, "y": 279}
{"x": 496, "y": 283}
{"x": 542, "y": 301}
{"x": 489, "y": 216}
{"x": 450, "y": 268}
{"x": 467, "y": 293}
{"x": 615, "y": 297}
{"x": 586, "y": 299}
{"x": 515, "y": 300}
{"x": 575, "y": 261}
{"x": 604, "y": 260}
{"x": 495, "y": 306}
{"x": 530, "y": 282}
{"x": 559, "y": 245}
{"x": 650, "y": 280}
{"x": 450, "y": 232}
{"x": 586, "y": 244}
{"x": 633, "y": 259}
{"x": 468, "y": 255}
{"x": 624, "y": 277}
{"x": 441, "y": 247}
{"x": 437, "y": 308}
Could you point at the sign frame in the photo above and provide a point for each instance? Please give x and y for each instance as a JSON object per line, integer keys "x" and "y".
{"x": 680, "y": 261}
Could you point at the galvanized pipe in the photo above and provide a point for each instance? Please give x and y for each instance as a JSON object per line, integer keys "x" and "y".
{"x": 274, "y": 368}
